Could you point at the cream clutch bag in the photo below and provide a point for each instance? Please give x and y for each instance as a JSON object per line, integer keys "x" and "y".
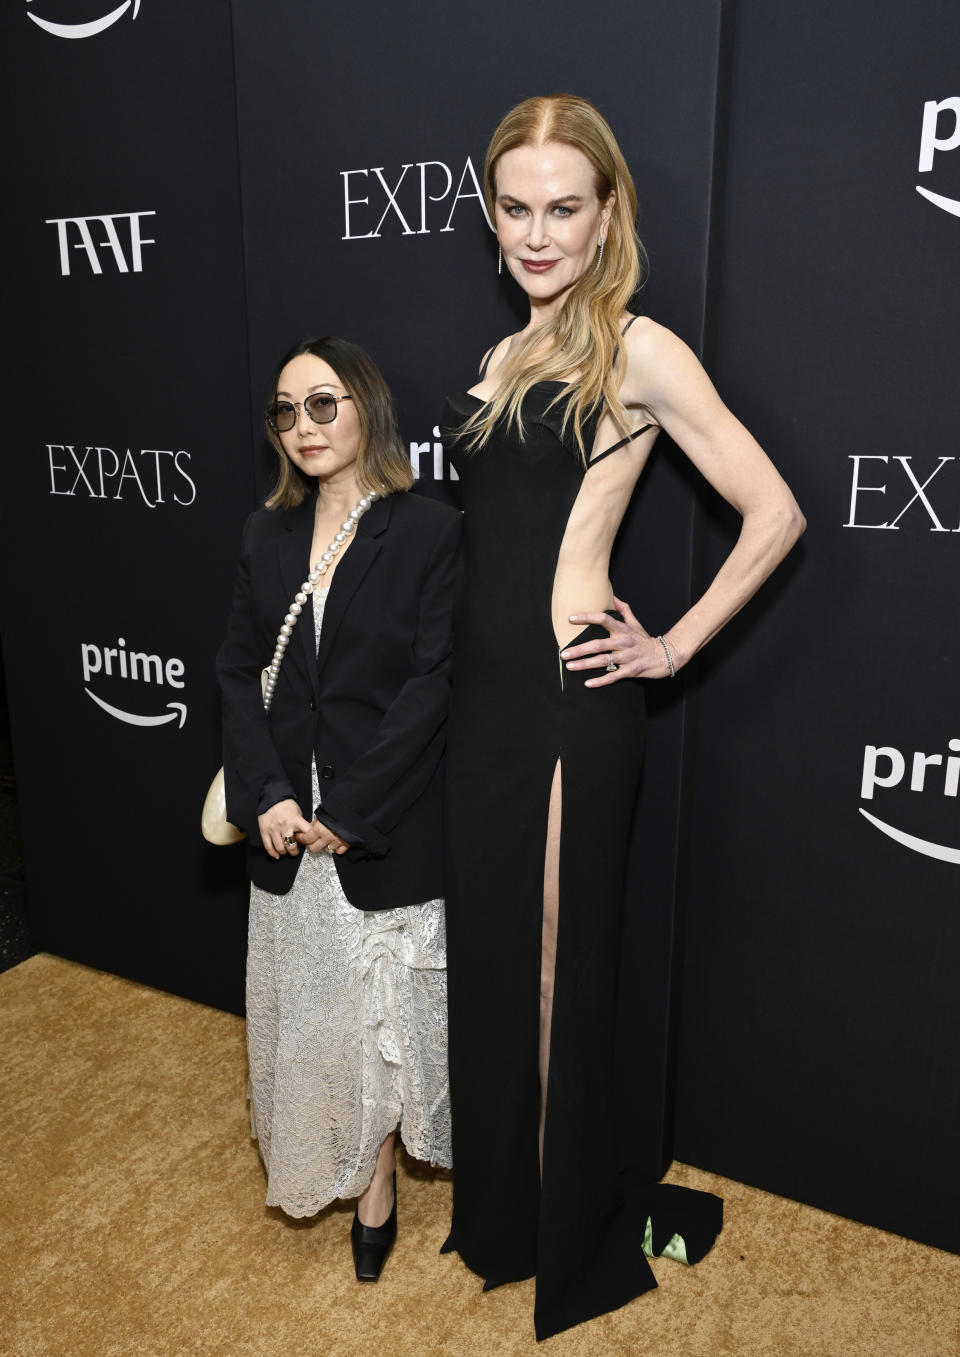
{"x": 214, "y": 825}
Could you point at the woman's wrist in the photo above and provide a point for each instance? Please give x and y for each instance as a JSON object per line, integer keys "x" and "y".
{"x": 668, "y": 656}
{"x": 681, "y": 653}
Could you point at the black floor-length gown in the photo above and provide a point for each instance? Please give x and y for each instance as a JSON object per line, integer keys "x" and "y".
{"x": 517, "y": 712}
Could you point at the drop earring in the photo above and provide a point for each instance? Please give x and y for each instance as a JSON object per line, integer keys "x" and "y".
{"x": 599, "y": 257}
{"x": 499, "y": 260}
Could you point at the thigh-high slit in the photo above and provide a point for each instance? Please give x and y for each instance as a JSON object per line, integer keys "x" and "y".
{"x": 548, "y": 938}
{"x": 519, "y": 720}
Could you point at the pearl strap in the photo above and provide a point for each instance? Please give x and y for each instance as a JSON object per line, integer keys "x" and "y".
{"x": 347, "y": 527}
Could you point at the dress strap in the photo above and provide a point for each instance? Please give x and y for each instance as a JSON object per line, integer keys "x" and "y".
{"x": 630, "y": 437}
{"x": 616, "y": 351}
{"x": 486, "y": 359}
{"x": 617, "y": 446}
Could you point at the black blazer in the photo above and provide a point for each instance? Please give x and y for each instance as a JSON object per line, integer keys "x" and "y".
{"x": 371, "y": 707}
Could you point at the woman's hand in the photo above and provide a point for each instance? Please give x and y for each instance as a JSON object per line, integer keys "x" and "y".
{"x": 629, "y": 646}
{"x": 279, "y": 828}
{"x": 319, "y": 839}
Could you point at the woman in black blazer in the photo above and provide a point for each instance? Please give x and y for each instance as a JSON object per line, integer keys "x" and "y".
{"x": 338, "y": 786}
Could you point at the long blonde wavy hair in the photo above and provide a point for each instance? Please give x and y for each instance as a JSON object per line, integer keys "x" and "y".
{"x": 583, "y": 337}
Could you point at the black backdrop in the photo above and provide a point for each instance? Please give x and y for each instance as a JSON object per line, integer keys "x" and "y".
{"x": 143, "y": 374}
{"x": 821, "y": 1022}
{"x": 777, "y": 161}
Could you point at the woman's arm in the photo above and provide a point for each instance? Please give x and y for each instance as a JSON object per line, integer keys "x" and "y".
{"x": 665, "y": 378}
{"x": 386, "y": 779}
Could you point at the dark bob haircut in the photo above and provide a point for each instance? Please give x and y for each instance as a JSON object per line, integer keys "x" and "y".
{"x": 382, "y": 463}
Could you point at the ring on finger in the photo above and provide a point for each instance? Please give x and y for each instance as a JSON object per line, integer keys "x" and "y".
{"x": 289, "y": 840}
{"x": 612, "y": 666}
{"x": 330, "y": 848}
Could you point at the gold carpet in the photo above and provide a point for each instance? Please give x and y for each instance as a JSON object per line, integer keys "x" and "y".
{"x": 133, "y": 1223}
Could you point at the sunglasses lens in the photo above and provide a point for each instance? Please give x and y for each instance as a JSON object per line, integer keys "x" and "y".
{"x": 321, "y": 408}
{"x": 282, "y": 416}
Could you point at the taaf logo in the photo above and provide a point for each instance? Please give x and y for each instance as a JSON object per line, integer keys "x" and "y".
{"x": 90, "y": 28}
{"x": 885, "y": 767}
{"x": 931, "y": 142}
{"x": 109, "y": 230}
{"x": 134, "y": 666}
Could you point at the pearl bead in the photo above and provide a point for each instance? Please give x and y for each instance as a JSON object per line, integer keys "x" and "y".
{"x": 307, "y": 588}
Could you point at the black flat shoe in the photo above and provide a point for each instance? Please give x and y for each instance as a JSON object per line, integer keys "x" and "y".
{"x": 372, "y": 1243}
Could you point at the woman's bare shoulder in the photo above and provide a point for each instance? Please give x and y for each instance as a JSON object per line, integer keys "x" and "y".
{"x": 495, "y": 357}
{"x": 649, "y": 337}
{"x": 655, "y": 355}
{"x": 486, "y": 379}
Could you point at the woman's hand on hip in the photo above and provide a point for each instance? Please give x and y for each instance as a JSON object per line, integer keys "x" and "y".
{"x": 628, "y": 652}
{"x": 319, "y": 839}
{"x": 279, "y": 828}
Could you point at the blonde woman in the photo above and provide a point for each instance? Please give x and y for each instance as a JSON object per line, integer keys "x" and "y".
{"x": 547, "y": 726}
{"x": 347, "y": 581}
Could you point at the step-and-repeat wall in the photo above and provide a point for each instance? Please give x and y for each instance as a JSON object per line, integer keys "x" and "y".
{"x": 200, "y": 187}
{"x": 821, "y": 1005}
{"x": 130, "y": 470}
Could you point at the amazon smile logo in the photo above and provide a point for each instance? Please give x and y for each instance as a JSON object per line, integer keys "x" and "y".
{"x": 88, "y": 29}
{"x": 931, "y": 142}
{"x": 885, "y": 767}
{"x": 135, "y": 666}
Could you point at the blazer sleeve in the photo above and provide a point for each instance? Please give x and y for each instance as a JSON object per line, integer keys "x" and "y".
{"x": 250, "y": 759}
{"x": 368, "y": 801}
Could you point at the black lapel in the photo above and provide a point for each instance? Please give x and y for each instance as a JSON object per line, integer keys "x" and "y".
{"x": 293, "y": 549}
{"x": 363, "y": 551}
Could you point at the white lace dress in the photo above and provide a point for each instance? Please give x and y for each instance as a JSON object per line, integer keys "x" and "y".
{"x": 346, "y": 1032}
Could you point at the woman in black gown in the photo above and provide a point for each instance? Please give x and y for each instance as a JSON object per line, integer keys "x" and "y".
{"x": 547, "y": 727}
